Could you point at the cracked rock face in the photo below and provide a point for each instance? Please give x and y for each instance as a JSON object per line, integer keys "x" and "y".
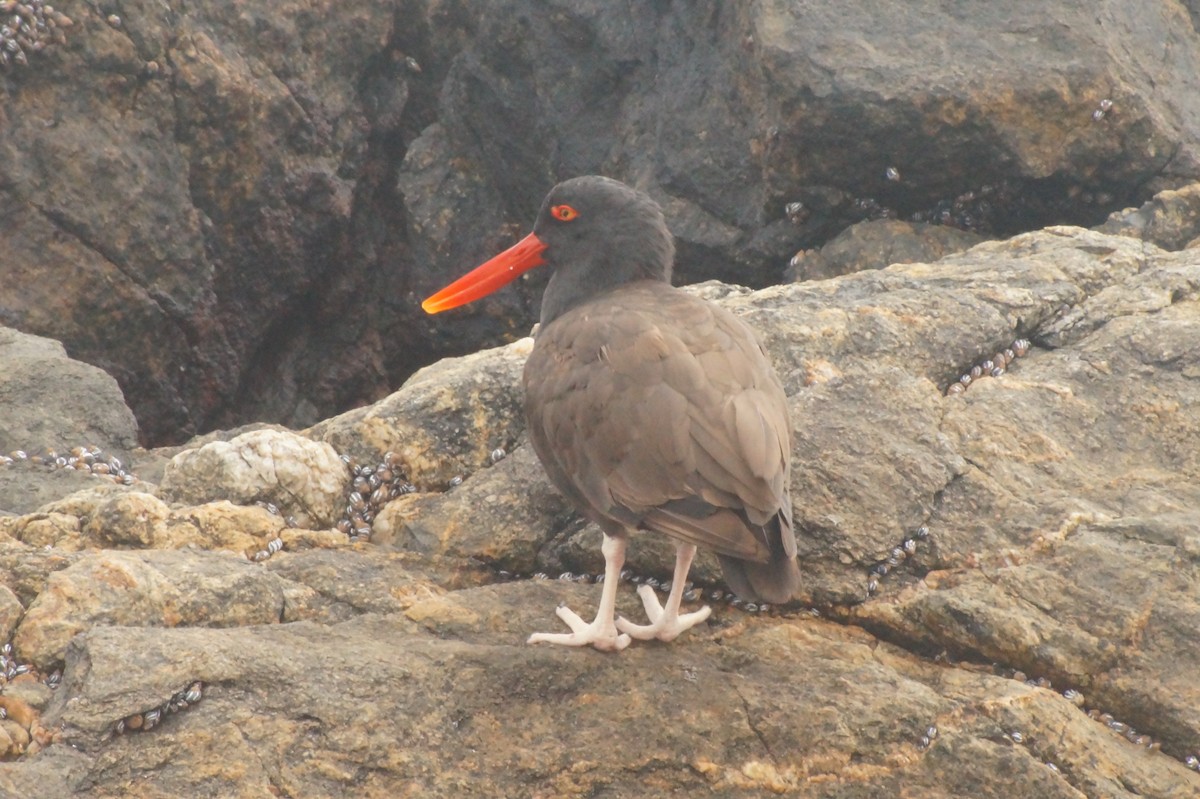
{"x": 1038, "y": 640}
{"x": 306, "y": 476}
{"x": 158, "y": 588}
{"x": 237, "y": 203}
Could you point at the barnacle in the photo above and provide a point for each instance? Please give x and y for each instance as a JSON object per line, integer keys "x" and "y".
{"x": 28, "y": 27}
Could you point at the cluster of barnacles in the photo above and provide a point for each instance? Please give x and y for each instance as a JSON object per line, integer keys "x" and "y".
{"x": 27, "y": 27}
{"x": 148, "y": 720}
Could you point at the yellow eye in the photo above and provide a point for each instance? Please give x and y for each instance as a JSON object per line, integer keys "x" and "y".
{"x": 564, "y": 213}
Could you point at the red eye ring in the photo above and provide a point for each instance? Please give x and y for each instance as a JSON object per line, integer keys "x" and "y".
{"x": 563, "y": 213}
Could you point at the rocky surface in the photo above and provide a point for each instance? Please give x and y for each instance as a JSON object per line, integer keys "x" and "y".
{"x": 1035, "y": 638}
{"x": 198, "y": 165}
{"x": 446, "y": 422}
{"x": 1170, "y": 219}
{"x": 263, "y": 191}
{"x": 879, "y": 243}
{"x": 306, "y": 478}
{"x": 47, "y": 398}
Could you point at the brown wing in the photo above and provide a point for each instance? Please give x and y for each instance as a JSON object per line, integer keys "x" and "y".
{"x": 651, "y": 408}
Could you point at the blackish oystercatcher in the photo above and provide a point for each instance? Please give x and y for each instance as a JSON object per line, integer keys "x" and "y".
{"x": 649, "y": 408}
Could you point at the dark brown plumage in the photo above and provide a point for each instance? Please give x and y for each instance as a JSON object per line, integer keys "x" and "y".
{"x": 649, "y": 408}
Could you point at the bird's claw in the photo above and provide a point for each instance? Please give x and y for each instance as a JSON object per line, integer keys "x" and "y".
{"x": 663, "y": 626}
{"x": 601, "y": 633}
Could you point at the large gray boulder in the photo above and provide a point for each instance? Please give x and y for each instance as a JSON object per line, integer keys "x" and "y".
{"x": 235, "y": 207}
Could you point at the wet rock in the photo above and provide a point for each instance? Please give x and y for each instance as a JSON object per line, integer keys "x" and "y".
{"x": 1170, "y": 219}
{"x": 303, "y": 477}
{"x": 879, "y": 243}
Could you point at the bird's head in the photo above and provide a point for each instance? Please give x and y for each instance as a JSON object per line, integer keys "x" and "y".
{"x": 595, "y": 233}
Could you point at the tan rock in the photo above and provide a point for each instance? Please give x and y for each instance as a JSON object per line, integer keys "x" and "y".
{"x": 24, "y": 570}
{"x": 1170, "y": 219}
{"x": 334, "y": 585}
{"x": 18, "y": 711}
{"x": 444, "y": 422}
{"x": 131, "y": 519}
{"x": 1059, "y": 499}
{"x": 128, "y": 520}
{"x": 799, "y": 706}
{"x": 10, "y": 612}
{"x": 488, "y": 517}
{"x": 58, "y": 530}
{"x": 222, "y": 526}
{"x": 305, "y": 478}
{"x": 9, "y": 748}
{"x": 164, "y": 588}
{"x": 296, "y": 540}
{"x": 84, "y": 501}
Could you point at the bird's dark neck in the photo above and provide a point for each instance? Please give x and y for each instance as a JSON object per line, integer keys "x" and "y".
{"x": 591, "y": 275}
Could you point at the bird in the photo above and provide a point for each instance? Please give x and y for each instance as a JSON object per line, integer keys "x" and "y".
{"x": 649, "y": 408}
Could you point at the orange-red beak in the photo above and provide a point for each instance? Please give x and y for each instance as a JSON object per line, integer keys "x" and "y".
{"x": 483, "y": 280}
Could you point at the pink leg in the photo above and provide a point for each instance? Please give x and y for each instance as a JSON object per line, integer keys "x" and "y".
{"x": 602, "y": 632}
{"x": 665, "y": 622}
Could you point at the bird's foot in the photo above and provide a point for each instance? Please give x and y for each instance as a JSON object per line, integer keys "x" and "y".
{"x": 665, "y": 625}
{"x": 601, "y": 633}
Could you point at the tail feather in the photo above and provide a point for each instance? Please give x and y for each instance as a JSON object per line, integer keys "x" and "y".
{"x": 775, "y": 581}
{"x": 778, "y": 579}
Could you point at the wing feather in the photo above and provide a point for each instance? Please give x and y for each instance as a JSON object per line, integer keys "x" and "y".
{"x": 662, "y": 411}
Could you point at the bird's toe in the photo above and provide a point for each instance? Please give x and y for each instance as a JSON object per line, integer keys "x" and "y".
{"x": 663, "y": 626}
{"x": 601, "y": 634}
